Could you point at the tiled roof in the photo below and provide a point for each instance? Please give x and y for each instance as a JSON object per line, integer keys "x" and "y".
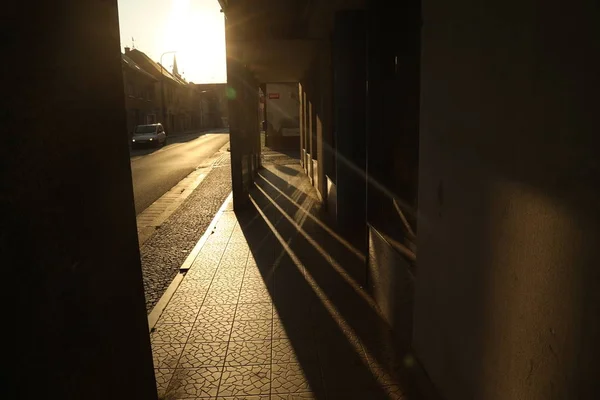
{"x": 158, "y": 68}
{"x": 132, "y": 64}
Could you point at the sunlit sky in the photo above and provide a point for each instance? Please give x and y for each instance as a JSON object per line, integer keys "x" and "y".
{"x": 193, "y": 28}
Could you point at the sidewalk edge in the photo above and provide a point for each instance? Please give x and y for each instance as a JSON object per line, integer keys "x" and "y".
{"x": 166, "y": 297}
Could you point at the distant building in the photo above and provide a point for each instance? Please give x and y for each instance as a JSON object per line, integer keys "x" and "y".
{"x": 174, "y": 96}
{"x": 140, "y": 94}
{"x": 213, "y": 101}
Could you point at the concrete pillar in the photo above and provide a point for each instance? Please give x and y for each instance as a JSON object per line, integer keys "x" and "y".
{"x": 349, "y": 91}
{"x": 74, "y": 318}
{"x": 244, "y": 134}
{"x": 392, "y": 151}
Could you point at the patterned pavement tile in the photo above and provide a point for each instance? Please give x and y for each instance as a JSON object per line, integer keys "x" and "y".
{"x": 179, "y": 313}
{"x": 209, "y": 257}
{"x": 377, "y": 393}
{"x": 251, "y": 311}
{"x": 201, "y": 273}
{"x": 225, "y": 279}
{"x": 255, "y": 284}
{"x": 295, "y": 396}
{"x": 163, "y": 377}
{"x": 245, "y": 380}
{"x": 262, "y": 397}
{"x": 292, "y": 378}
{"x": 251, "y": 330}
{"x": 189, "y": 284}
{"x": 236, "y": 265}
{"x": 190, "y": 298}
{"x": 237, "y": 238}
{"x": 338, "y": 375}
{"x": 203, "y": 354}
{"x": 237, "y": 255}
{"x": 255, "y": 296}
{"x": 170, "y": 333}
{"x": 216, "y": 312}
{"x": 294, "y": 351}
{"x": 249, "y": 353}
{"x": 215, "y": 331}
{"x": 224, "y": 284}
{"x": 286, "y": 329}
{"x": 222, "y": 297}
{"x": 193, "y": 383}
{"x": 166, "y": 355}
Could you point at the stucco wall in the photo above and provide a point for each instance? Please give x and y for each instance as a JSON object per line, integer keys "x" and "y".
{"x": 507, "y": 292}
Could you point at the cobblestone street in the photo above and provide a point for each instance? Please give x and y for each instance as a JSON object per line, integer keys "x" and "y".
{"x": 164, "y": 252}
{"x": 272, "y": 308}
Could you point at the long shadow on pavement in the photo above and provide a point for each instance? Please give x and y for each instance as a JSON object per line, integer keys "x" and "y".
{"x": 340, "y": 343}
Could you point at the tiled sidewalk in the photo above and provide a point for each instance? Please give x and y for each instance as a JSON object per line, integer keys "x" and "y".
{"x": 272, "y": 308}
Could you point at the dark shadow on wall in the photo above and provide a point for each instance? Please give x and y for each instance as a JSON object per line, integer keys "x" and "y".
{"x": 314, "y": 277}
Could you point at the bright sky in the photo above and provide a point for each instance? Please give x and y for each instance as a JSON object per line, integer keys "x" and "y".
{"x": 193, "y": 28}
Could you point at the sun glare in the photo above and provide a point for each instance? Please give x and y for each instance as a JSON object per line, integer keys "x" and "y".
{"x": 199, "y": 39}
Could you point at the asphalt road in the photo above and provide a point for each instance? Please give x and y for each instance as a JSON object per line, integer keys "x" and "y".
{"x": 155, "y": 171}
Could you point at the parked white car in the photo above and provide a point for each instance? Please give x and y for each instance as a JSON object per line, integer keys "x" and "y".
{"x": 149, "y": 134}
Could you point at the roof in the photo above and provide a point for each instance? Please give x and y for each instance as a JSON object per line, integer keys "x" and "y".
{"x": 157, "y": 67}
{"x": 133, "y": 65}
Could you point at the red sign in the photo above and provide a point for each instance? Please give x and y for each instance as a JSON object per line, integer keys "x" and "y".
{"x": 273, "y": 95}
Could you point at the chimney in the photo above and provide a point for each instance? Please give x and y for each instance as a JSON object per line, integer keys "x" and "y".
{"x": 127, "y": 50}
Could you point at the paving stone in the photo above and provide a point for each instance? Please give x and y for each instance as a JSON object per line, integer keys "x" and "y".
{"x": 337, "y": 375}
{"x": 251, "y": 311}
{"x": 193, "y": 298}
{"x": 163, "y": 377}
{"x": 295, "y": 329}
{"x": 379, "y": 393}
{"x": 164, "y": 252}
{"x": 293, "y": 351}
{"x": 292, "y": 378}
{"x": 201, "y": 273}
{"x": 228, "y": 278}
{"x": 255, "y": 284}
{"x": 249, "y": 353}
{"x": 191, "y": 284}
{"x": 216, "y": 312}
{"x": 245, "y": 380}
{"x": 255, "y": 296}
{"x": 203, "y": 354}
{"x": 166, "y": 355}
{"x": 179, "y": 313}
{"x": 170, "y": 333}
{"x": 251, "y": 330}
{"x": 297, "y": 396}
{"x": 237, "y": 251}
{"x": 222, "y": 297}
{"x": 214, "y": 331}
{"x": 226, "y": 284}
{"x": 194, "y": 383}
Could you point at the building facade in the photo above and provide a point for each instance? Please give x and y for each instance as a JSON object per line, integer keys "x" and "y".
{"x": 173, "y": 93}
{"x": 141, "y": 100}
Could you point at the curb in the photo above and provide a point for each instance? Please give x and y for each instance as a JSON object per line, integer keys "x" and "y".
{"x": 166, "y": 297}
